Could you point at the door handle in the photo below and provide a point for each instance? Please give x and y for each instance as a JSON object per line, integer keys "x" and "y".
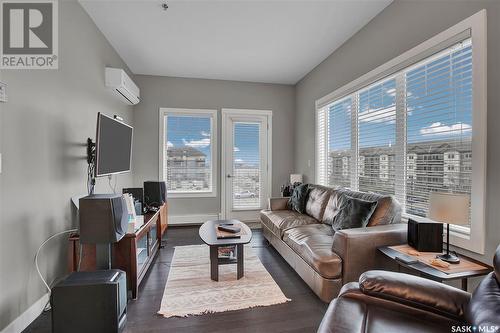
{"x": 229, "y": 176}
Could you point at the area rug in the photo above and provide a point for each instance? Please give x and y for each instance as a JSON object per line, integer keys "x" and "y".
{"x": 190, "y": 291}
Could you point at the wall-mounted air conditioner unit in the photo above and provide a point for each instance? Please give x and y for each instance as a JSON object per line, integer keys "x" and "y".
{"x": 122, "y": 85}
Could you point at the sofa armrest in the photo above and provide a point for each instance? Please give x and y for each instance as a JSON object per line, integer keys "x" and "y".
{"x": 416, "y": 292}
{"x": 279, "y": 203}
{"x": 358, "y": 248}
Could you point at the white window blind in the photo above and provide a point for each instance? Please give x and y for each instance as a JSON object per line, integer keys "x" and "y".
{"x": 246, "y": 166}
{"x": 339, "y": 152}
{"x": 433, "y": 118}
{"x": 321, "y": 146}
{"x": 377, "y": 137}
{"x": 187, "y": 155}
{"x": 439, "y": 126}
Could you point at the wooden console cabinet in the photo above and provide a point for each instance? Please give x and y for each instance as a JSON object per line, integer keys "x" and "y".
{"x": 133, "y": 254}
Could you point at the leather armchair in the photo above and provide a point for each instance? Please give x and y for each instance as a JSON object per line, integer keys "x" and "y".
{"x": 394, "y": 302}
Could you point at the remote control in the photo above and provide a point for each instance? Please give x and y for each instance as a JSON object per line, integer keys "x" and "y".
{"x": 230, "y": 229}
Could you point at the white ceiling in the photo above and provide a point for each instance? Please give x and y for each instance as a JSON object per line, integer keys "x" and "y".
{"x": 258, "y": 41}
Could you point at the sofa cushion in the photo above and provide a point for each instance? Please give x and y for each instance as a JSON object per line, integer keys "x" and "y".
{"x": 313, "y": 243}
{"x": 388, "y": 209}
{"x": 298, "y": 200}
{"x": 280, "y": 220}
{"x": 353, "y": 213}
{"x": 317, "y": 201}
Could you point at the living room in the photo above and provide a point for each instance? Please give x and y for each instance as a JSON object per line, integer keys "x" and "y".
{"x": 256, "y": 166}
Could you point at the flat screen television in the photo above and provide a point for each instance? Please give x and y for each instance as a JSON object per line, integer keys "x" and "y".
{"x": 113, "y": 146}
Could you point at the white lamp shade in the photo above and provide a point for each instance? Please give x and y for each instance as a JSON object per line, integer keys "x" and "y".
{"x": 295, "y": 178}
{"x": 451, "y": 208}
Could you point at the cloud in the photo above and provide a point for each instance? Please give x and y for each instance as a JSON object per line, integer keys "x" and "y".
{"x": 202, "y": 143}
{"x": 169, "y": 144}
{"x": 391, "y": 92}
{"x": 439, "y": 128}
{"x": 386, "y": 115}
{"x": 205, "y": 134}
{"x": 238, "y": 160}
{"x": 236, "y": 149}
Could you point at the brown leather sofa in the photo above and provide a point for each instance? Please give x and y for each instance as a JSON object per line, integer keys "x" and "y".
{"x": 325, "y": 259}
{"x": 389, "y": 302}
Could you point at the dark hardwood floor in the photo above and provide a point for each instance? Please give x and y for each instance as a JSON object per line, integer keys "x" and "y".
{"x": 302, "y": 314}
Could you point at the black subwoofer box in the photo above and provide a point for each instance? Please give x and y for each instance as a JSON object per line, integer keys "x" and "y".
{"x": 87, "y": 302}
{"x": 425, "y": 236}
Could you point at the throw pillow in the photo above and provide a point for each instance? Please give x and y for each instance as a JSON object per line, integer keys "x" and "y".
{"x": 353, "y": 213}
{"x": 298, "y": 200}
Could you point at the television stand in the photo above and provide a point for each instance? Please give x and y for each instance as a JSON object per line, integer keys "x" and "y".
{"x": 133, "y": 254}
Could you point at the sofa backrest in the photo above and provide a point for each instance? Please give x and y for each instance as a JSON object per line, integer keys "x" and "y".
{"x": 317, "y": 201}
{"x": 324, "y": 202}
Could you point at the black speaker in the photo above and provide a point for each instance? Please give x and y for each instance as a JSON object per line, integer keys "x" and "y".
{"x": 155, "y": 193}
{"x": 103, "y": 218}
{"x": 90, "y": 302}
{"x": 425, "y": 236}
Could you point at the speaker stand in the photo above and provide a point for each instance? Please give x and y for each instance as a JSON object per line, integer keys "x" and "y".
{"x": 103, "y": 256}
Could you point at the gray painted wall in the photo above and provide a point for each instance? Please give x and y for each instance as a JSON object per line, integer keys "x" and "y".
{"x": 49, "y": 116}
{"x": 401, "y": 26}
{"x": 171, "y": 92}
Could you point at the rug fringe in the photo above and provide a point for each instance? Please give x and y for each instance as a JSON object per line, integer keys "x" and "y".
{"x": 233, "y": 308}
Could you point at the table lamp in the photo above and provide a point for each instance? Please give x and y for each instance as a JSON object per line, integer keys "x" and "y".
{"x": 449, "y": 208}
{"x": 295, "y": 178}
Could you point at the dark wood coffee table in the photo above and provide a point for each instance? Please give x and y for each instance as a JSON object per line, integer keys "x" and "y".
{"x": 209, "y": 237}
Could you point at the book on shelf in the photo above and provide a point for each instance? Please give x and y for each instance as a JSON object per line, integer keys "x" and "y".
{"x": 227, "y": 252}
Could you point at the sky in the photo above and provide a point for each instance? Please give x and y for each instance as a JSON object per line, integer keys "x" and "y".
{"x": 196, "y": 132}
{"x": 189, "y": 131}
{"x": 438, "y": 105}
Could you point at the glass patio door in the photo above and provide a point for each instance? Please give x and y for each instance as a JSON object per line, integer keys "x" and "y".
{"x": 246, "y": 163}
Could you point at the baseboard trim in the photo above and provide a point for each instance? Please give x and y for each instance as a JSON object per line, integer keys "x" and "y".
{"x": 191, "y": 219}
{"x": 27, "y": 317}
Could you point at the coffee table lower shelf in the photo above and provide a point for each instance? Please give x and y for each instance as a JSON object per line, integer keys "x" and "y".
{"x": 215, "y": 261}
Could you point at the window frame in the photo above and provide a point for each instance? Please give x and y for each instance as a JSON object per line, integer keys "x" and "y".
{"x": 474, "y": 27}
{"x": 212, "y": 114}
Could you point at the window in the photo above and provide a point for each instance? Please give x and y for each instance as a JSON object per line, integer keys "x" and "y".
{"x": 188, "y": 152}
{"x": 438, "y": 98}
{"x": 339, "y": 143}
{"x": 408, "y": 128}
{"x": 377, "y": 136}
